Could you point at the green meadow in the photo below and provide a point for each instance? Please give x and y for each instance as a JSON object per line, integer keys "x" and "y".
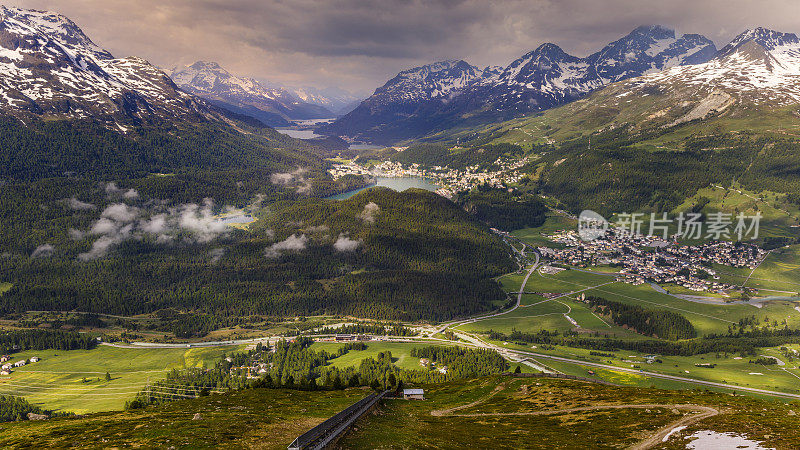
{"x": 401, "y": 353}
{"x": 75, "y": 381}
{"x": 251, "y": 418}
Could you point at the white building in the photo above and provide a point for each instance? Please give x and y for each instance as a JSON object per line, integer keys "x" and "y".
{"x": 413, "y": 394}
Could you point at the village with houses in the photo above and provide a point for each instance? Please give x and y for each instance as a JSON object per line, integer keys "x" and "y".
{"x": 452, "y": 181}
{"x": 650, "y": 259}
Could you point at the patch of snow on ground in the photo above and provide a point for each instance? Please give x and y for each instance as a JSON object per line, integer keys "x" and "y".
{"x": 704, "y": 440}
{"x": 673, "y": 431}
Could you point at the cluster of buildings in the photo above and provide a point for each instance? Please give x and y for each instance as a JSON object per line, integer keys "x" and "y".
{"x": 340, "y": 170}
{"x": 452, "y": 180}
{"x": 6, "y": 367}
{"x": 428, "y": 364}
{"x": 649, "y": 259}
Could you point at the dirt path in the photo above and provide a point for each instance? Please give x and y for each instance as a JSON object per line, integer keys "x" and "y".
{"x": 450, "y": 411}
{"x": 702, "y": 412}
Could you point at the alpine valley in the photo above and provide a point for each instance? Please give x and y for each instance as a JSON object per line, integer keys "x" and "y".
{"x": 177, "y": 270}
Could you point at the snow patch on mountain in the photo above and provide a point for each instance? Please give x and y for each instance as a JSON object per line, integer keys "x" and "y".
{"x": 418, "y": 100}
{"x": 761, "y": 65}
{"x": 245, "y": 95}
{"x": 50, "y": 68}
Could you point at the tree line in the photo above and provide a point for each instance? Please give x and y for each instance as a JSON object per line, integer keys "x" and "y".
{"x": 649, "y": 322}
{"x": 17, "y": 340}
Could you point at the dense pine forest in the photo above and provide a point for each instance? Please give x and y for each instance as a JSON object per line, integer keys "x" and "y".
{"x": 502, "y": 209}
{"x": 17, "y": 340}
{"x": 744, "y": 343}
{"x": 654, "y": 323}
{"x": 381, "y": 254}
{"x": 95, "y": 220}
{"x": 16, "y": 408}
{"x": 618, "y": 175}
{"x": 435, "y": 154}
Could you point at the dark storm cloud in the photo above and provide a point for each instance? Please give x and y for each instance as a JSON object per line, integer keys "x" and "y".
{"x": 358, "y": 44}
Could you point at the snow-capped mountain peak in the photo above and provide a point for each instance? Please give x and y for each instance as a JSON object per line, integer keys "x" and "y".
{"x": 769, "y": 39}
{"x": 334, "y": 99}
{"x": 50, "y": 68}
{"x": 759, "y": 66}
{"x": 271, "y": 105}
{"x": 54, "y": 26}
{"x": 431, "y": 80}
{"x": 545, "y": 77}
{"x": 209, "y": 77}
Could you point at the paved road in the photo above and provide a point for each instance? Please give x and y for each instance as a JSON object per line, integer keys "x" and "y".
{"x": 144, "y": 345}
{"x": 479, "y": 343}
{"x": 475, "y": 319}
{"x": 756, "y": 267}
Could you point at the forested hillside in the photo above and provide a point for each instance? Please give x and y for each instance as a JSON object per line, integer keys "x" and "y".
{"x": 502, "y": 209}
{"x": 380, "y": 254}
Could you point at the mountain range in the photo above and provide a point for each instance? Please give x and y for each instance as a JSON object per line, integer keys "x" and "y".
{"x": 69, "y": 107}
{"x": 436, "y": 96}
{"x": 272, "y": 105}
{"x": 51, "y": 69}
{"x": 752, "y": 83}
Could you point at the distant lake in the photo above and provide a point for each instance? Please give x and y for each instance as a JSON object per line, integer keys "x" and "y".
{"x": 309, "y": 134}
{"x": 312, "y": 122}
{"x": 397, "y": 184}
{"x": 298, "y": 134}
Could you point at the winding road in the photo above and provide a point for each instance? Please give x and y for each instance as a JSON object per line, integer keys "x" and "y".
{"x": 516, "y": 305}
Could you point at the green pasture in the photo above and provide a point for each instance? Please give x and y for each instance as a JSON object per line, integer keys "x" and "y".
{"x": 553, "y": 223}
{"x": 57, "y": 381}
{"x": 401, "y": 353}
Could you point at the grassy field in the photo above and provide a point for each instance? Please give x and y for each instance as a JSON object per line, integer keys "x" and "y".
{"x": 267, "y": 418}
{"x": 706, "y": 318}
{"x": 778, "y": 215}
{"x": 536, "y": 313}
{"x": 401, "y": 353}
{"x": 553, "y": 223}
{"x": 4, "y": 287}
{"x": 729, "y": 368}
{"x": 253, "y": 418}
{"x": 778, "y": 275}
{"x": 508, "y": 399}
{"x": 57, "y": 381}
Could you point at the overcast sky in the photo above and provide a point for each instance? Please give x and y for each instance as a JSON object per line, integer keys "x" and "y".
{"x": 359, "y": 44}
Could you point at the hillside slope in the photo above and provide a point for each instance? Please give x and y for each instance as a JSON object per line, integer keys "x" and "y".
{"x": 502, "y": 412}
{"x": 380, "y": 254}
{"x": 652, "y": 141}
{"x": 51, "y": 69}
